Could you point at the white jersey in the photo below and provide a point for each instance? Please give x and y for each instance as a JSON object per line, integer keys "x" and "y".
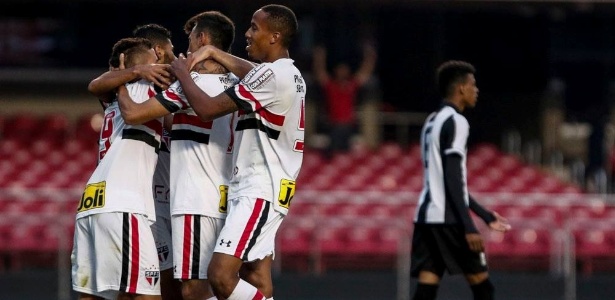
{"x": 445, "y": 132}
{"x": 201, "y": 155}
{"x": 122, "y": 181}
{"x": 269, "y": 133}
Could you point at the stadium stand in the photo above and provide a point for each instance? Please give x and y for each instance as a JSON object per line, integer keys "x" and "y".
{"x": 353, "y": 210}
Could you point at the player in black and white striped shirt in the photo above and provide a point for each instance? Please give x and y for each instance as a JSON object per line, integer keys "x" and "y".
{"x": 445, "y": 237}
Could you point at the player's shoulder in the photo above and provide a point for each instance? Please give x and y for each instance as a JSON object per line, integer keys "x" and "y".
{"x": 285, "y": 65}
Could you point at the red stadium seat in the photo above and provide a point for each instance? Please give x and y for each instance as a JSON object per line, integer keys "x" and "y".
{"x": 332, "y": 239}
{"x": 87, "y": 127}
{"x": 296, "y": 238}
{"x": 55, "y": 127}
{"x": 594, "y": 241}
{"x": 23, "y": 126}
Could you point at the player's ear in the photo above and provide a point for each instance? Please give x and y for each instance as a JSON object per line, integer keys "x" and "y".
{"x": 275, "y": 37}
{"x": 159, "y": 52}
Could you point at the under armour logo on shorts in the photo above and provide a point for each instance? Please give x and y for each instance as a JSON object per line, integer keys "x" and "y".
{"x": 228, "y": 244}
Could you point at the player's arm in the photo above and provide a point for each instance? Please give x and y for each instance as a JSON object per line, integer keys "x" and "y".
{"x": 138, "y": 113}
{"x": 205, "y": 106}
{"x": 319, "y": 65}
{"x": 455, "y": 188}
{"x": 104, "y": 86}
{"x": 168, "y": 122}
{"x": 236, "y": 65}
{"x": 367, "y": 65}
{"x": 481, "y": 211}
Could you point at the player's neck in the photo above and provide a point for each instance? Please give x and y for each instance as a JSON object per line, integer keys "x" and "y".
{"x": 456, "y": 103}
{"x": 276, "y": 54}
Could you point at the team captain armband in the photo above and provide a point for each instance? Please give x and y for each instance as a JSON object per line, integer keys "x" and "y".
{"x": 93, "y": 196}
{"x": 287, "y": 192}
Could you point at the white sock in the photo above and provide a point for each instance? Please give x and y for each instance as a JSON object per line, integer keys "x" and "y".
{"x": 270, "y": 298}
{"x": 212, "y": 298}
{"x": 245, "y": 291}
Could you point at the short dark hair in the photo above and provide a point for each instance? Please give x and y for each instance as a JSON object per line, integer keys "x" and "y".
{"x": 283, "y": 20}
{"x": 132, "y": 47}
{"x": 156, "y": 33}
{"x": 219, "y": 27}
{"x": 450, "y": 73}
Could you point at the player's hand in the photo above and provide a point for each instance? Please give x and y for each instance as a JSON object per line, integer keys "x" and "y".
{"x": 475, "y": 242}
{"x": 159, "y": 74}
{"x": 122, "y": 66}
{"x": 202, "y": 54}
{"x": 500, "y": 224}
{"x": 181, "y": 65}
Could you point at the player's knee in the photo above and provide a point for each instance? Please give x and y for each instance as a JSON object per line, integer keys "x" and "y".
{"x": 221, "y": 281}
{"x": 483, "y": 290}
{"x": 193, "y": 289}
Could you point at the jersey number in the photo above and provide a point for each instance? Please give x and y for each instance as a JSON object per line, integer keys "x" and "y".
{"x": 300, "y": 144}
{"x": 105, "y": 134}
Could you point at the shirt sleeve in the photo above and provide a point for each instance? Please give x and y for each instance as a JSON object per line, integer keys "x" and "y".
{"x": 173, "y": 98}
{"x": 458, "y": 131}
{"x": 257, "y": 91}
{"x": 482, "y": 212}
{"x": 455, "y": 188}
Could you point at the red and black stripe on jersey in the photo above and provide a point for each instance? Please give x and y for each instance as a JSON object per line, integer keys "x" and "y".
{"x": 134, "y": 133}
{"x": 168, "y": 100}
{"x": 251, "y": 122}
{"x": 187, "y": 134}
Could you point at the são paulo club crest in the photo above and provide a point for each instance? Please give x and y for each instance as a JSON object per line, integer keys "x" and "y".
{"x": 163, "y": 253}
{"x": 152, "y": 276}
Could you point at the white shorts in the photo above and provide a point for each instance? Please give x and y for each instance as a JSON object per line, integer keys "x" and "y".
{"x": 164, "y": 244}
{"x": 194, "y": 237}
{"x": 250, "y": 229}
{"x": 114, "y": 252}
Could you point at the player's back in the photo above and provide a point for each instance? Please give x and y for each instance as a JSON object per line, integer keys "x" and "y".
{"x": 122, "y": 181}
{"x": 445, "y": 132}
{"x": 202, "y": 153}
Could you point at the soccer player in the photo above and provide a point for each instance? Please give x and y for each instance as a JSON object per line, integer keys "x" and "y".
{"x": 114, "y": 253}
{"x": 445, "y": 237}
{"x": 201, "y": 156}
{"x": 268, "y": 149}
{"x": 169, "y": 287}
{"x": 107, "y": 84}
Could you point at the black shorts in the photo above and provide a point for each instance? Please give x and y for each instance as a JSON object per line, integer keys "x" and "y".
{"x": 437, "y": 248}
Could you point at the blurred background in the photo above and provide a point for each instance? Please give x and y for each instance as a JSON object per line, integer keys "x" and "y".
{"x": 540, "y": 149}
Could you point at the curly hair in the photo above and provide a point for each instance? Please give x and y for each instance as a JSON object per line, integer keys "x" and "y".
{"x": 132, "y": 47}
{"x": 450, "y": 73}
